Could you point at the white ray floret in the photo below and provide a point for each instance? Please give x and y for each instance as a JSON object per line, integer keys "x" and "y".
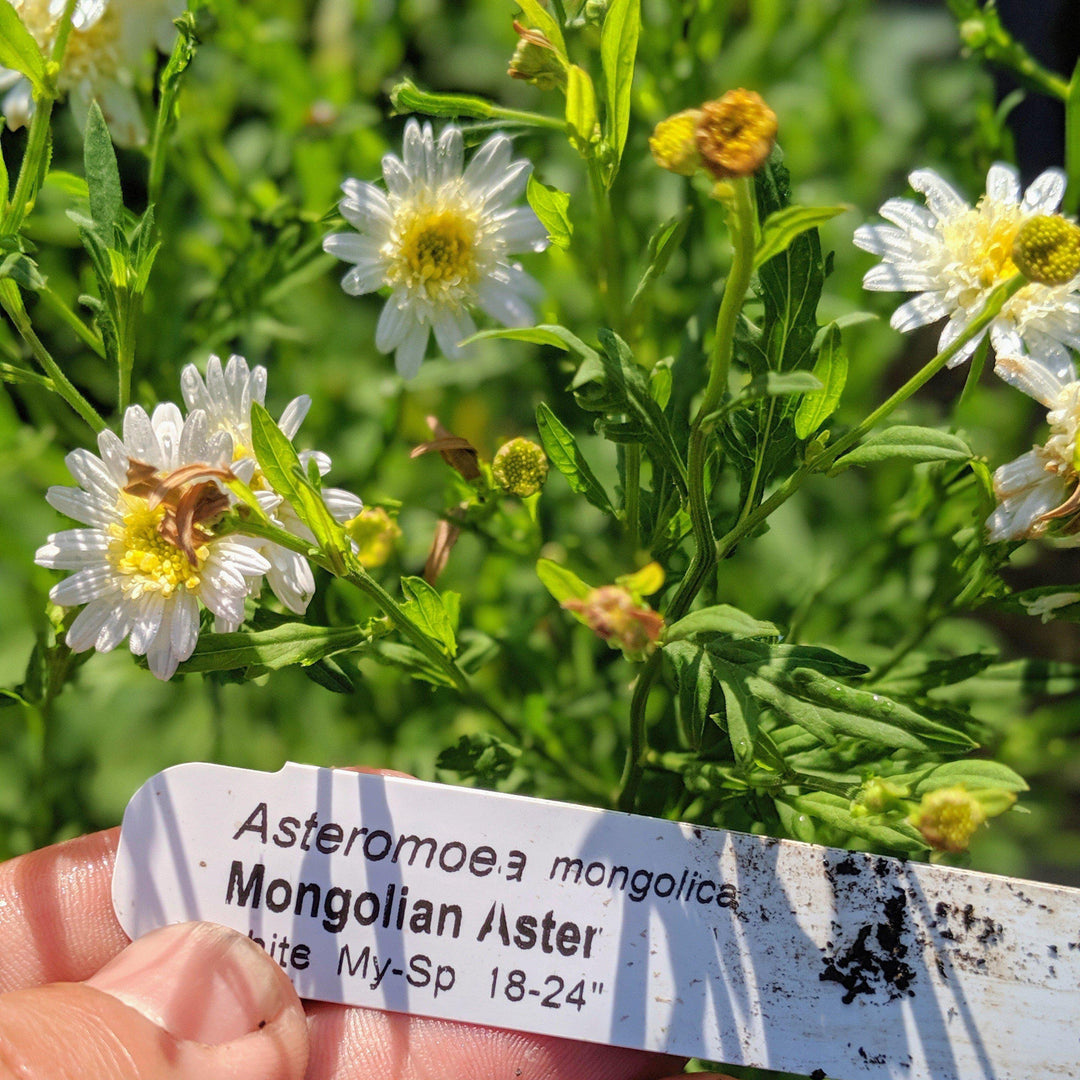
{"x": 439, "y": 238}
{"x": 953, "y": 255}
{"x": 226, "y": 395}
{"x": 136, "y": 583}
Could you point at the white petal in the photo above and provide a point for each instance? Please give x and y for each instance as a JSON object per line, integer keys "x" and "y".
{"x": 241, "y": 558}
{"x": 121, "y": 109}
{"x": 364, "y": 201}
{"x": 343, "y": 505}
{"x": 147, "y": 622}
{"x": 918, "y": 311}
{"x": 521, "y": 230}
{"x": 364, "y": 278}
{"x": 888, "y": 277}
{"x": 418, "y": 152}
{"x": 395, "y": 321}
{"x": 101, "y": 625}
{"x": 90, "y": 471}
{"x": 322, "y": 460}
{"x": 409, "y": 355}
{"x": 88, "y": 584}
{"x": 1045, "y": 193}
{"x": 395, "y": 175}
{"x": 193, "y": 389}
{"x": 140, "y": 442}
{"x": 1003, "y": 183}
{"x": 449, "y": 155}
{"x": 193, "y": 437}
{"x": 352, "y": 247}
{"x": 291, "y": 580}
{"x": 942, "y": 198}
{"x": 294, "y": 414}
{"x": 509, "y": 186}
{"x": 451, "y": 328}
{"x": 1028, "y": 375}
{"x": 504, "y": 304}
{"x": 73, "y": 550}
{"x": 113, "y": 456}
{"x": 488, "y": 164}
{"x": 82, "y": 507}
{"x": 18, "y": 105}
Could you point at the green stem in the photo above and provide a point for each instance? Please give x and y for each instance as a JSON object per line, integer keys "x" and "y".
{"x": 30, "y": 169}
{"x": 57, "y": 305}
{"x": 742, "y": 220}
{"x": 13, "y": 305}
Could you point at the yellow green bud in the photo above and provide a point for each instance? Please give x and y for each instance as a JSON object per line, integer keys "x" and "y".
{"x": 948, "y": 818}
{"x": 673, "y": 143}
{"x": 374, "y": 532}
{"x": 879, "y": 795}
{"x": 1047, "y": 249}
{"x": 536, "y": 61}
{"x": 520, "y": 467}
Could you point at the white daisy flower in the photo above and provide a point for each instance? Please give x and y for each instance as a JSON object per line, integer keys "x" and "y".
{"x": 439, "y": 238}
{"x": 1035, "y": 489}
{"x": 226, "y": 396}
{"x": 106, "y": 53}
{"x": 953, "y": 255}
{"x": 143, "y": 563}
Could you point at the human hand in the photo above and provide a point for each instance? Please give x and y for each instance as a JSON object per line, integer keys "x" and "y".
{"x": 200, "y": 1002}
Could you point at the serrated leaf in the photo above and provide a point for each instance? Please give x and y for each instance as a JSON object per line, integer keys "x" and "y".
{"x": 102, "y": 173}
{"x": 915, "y": 444}
{"x": 425, "y": 607}
{"x": 720, "y": 619}
{"x": 618, "y": 50}
{"x": 662, "y": 245}
{"x": 782, "y": 227}
{"x": 281, "y": 646}
{"x": 538, "y": 16}
{"x": 480, "y": 755}
{"x": 18, "y": 49}
{"x": 563, "y": 584}
{"x": 550, "y": 204}
{"x": 562, "y": 449}
{"x": 580, "y": 106}
{"x": 830, "y": 369}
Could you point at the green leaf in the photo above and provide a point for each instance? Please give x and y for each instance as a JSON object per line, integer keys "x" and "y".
{"x": 830, "y": 369}
{"x": 562, "y": 448}
{"x": 908, "y": 442}
{"x": 741, "y": 719}
{"x": 782, "y": 227}
{"x": 544, "y": 334}
{"x": 700, "y": 695}
{"x": 425, "y": 607}
{"x": 580, "y": 107}
{"x": 975, "y": 774}
{"x": 618, "y": 49}
{"x": 662, "y": 245}
{"x": 549, "y": 204}
{"x": 479, "y": 756}
{"x": 563, "y": 584}
{"x": 69, "y": 184}
{"x": 411, "y": 660}
{"x": 282, "y": 470}
{"x": 22, "y": 268}
{"x": 1072, "y": 144}
{"x": 18, "y": 49}
{"x": 281, "y": 646}
{"x": 780, "y": 383}
{"x": 835, "y": 811}
{"x": 538, "y": 16}
{"x": 788, "y": 657}
{"x": 102, "y": 173}
{"x": 615, "y": 385}
{"x": 720, "y": 619}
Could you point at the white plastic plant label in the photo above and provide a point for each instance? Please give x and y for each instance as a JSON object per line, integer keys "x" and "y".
{"x": 607, "y": 927}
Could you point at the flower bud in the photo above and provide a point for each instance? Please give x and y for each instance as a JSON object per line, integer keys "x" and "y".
{"x": 1047, "y": 249}
{"x": 736, "y": 134}
{"x": 520, "y": 467}
{"x": 374, "y": 532}
{"x": 879, "y": 795}
{"x": 535, "y": 60}
{"x": 622, "y": 620}
{"x": 673, "y": 143}
{"x": 948, "y": 818}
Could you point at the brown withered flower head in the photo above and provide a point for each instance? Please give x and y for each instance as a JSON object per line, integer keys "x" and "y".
{"x": 735, "y": 134}
{"x": 458, "y": 453}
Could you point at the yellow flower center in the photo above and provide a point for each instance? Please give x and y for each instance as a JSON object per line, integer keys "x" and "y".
{"x": 147, "y": 561}
{"x": 1047, "y": 249}
{"x": 434, "y": 249}
{"x": 984, "y": 238}
{"x": 735, "y": 134}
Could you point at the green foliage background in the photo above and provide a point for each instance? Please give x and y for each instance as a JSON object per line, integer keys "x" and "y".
{"x": 286, "y": 98}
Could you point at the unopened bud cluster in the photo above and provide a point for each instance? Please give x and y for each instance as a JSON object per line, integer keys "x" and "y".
{"x": 520, "y": 467}
{"x": 374, "y": 532}
{"x": 730, "y": 137}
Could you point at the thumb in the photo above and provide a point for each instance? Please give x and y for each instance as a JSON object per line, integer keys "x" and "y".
{"x": 188, "y": 1002}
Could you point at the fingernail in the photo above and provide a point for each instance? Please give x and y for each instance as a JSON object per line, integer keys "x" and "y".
{"x": 198, "y": 981}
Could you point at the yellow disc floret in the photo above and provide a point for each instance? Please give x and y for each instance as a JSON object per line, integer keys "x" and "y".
{"x": 948, "y": 818}
{"x": 735, "y": 134}
{"x": 146, "y": 561}
{"x": 673, "y": 143}
{"x": 434, "y": 249}
{"x": 1047, "y": 249}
